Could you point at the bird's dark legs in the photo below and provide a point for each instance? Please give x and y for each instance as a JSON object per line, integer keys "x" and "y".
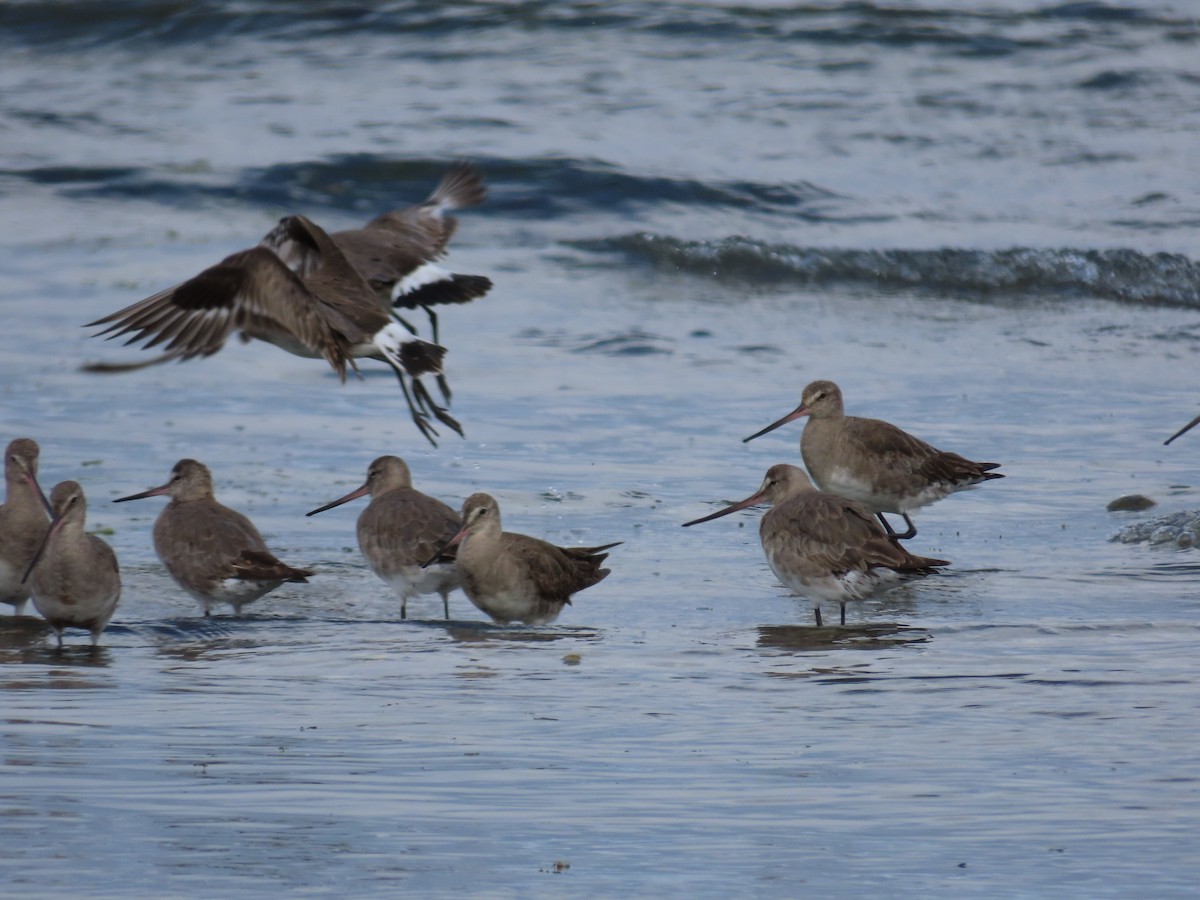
{"x": 817, "y": 613}
{"x": 419, "y": 417}
{"x": 428, "y": 405}
{"x": 903, "y": 536}
{"x": 843, "y": 605}
{"x": 407, "y": 324}
{"x": 433, "y": 322}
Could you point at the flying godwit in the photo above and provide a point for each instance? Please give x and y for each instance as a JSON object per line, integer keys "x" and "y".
{"x": 396, "y": 251}
{"x": 213, "y": 552}
{"x": 514, "y": 577}
{"x": 24, "y": 518}
{"x": 73, "y": 576}
{"x": 873, "y": 461}
{"x": 329, "y": 312}
{"x": 824, "y": 546}
{"x": 400, "y": 529}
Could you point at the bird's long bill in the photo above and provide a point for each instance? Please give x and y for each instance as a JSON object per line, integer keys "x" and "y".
{"x": 153, "y": 492}
{"x": 798, "y": 413}
{"x": 55, "y": 525}
{"x": 752, "y": 500}
{"x": 1184, "y": 430}
{"x": 462, "y": 532}
{"x": 353, "y": 495}
{"x": 32, "y": 479}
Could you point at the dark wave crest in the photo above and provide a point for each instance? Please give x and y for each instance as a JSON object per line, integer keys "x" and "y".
{"x": 984, "y": 32}
{"x": 1156, "y": 279}
{"x": 537, "y": 189}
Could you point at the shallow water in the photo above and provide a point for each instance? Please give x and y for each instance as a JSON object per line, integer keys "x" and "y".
{"x": 979, "y": 223}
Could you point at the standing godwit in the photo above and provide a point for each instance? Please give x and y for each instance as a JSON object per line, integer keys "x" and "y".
{"x": 825, "y": 546}
{"x": 213, "y": 552}
{"x": 399, "y": 530}
{"x": 514, "y": 577}
{"x": 73, "y": 576}
{"x": 875, "y": 462}
{"x": 24, "y": 518}
{"x": 330, "y": 312}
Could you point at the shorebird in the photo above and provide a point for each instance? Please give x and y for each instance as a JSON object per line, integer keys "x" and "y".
{"x": 73, "y": 576}
{"x": 514, "y": 577}
{"x": 24, "y": 518}
{"x": 824, "y": 546}
{"x": 1184, "y": 430}
{"x": 873, "y": 461}
{"x": 213, "y": 552}
{"x": 399, "y": 530}
{"x": 396, "y": 251}
{"x": 330, "y": 312}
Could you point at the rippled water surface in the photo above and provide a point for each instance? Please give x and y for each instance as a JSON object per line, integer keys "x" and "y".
{"x": 979, "y": 220}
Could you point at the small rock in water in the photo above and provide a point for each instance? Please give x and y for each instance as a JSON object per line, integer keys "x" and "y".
{"x": 1131, "y": 503}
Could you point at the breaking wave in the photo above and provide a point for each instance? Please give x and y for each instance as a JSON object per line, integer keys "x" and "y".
{"x": 1154, "y": 279}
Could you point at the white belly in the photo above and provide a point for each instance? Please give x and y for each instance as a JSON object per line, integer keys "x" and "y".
{"x": 411, "y": 581}
{"x": 236, "y": 592}
{"x": 513, "y": 605}
{"x": 841, "y": 588}
{"x": 847, "y": 483}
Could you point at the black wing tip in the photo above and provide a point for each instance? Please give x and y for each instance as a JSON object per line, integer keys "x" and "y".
{"x": 456, "y": 289}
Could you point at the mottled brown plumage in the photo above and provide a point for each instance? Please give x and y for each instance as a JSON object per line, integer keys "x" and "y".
{"x": 24, "y": 519}
{"x": 400, "y": 529}
{"x": 875, "y": 462}
{"x": 329, "y": 312}
{"x": 73, "y": 576}
{"x": 514, "y": 577}
{"x": 825, "y": 546}
{"x": 213, "y": 552}
{"x": 396, "y": 250}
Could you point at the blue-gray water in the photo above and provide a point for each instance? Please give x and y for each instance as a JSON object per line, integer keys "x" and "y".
{"x": 981, "y": 220}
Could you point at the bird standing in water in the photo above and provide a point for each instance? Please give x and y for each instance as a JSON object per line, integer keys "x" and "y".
{"x": 823, "y": 546}
{"x": 514, "y": 577}
{"x": 399, "y": 530}
{"x": 73, "y": 576}
{"x": 873, "y": 461}
{"x": 24, "y": 519}
{"x": 213, "y": 552}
